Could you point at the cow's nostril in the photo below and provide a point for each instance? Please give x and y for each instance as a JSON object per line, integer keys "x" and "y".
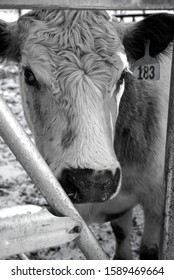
{"x": 117, "y": 176}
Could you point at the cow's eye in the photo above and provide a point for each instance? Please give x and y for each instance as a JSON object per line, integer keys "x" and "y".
{"x": 121, "y": 80}
{"x": 29, "y": 77}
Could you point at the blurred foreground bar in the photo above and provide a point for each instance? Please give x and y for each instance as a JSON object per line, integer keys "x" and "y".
{"x": 27, "y": 228}
{"x": 88, "y": 4}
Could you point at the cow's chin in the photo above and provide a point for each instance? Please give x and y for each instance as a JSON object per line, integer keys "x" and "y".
{"x": 79, "y": 198}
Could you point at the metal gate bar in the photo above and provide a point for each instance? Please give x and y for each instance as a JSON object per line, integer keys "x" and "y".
{"x": 88, "y": 4}
{"x": 41, "y": 175}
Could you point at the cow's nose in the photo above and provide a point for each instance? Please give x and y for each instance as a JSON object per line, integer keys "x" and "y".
{"x": 87, "y": 185}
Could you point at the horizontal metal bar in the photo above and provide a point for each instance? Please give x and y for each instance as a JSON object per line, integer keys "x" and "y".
{"x": 27, "y": 228}
{"x": 41, "y": 175}
{"x": 89, "y": 4}
{"x": 167, "y": 237}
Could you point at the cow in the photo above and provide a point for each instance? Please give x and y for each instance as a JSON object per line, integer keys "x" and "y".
{"x": 100, "y": 129}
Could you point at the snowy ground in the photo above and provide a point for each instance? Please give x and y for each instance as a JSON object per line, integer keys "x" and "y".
{"x": 16, "y": 187}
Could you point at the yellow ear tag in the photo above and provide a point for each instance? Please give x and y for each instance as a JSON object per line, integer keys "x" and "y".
{"x": 147, "y": 67}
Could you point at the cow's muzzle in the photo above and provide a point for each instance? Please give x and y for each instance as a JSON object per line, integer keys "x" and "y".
{"x": 87, "y": 185}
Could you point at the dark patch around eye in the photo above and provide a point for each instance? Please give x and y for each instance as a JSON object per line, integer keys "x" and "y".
{"x": 120, "y": 81}
{"x": 30, "y": 78}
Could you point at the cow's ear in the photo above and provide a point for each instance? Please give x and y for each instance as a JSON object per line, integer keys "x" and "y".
{"x": 9, "y": 41}
{"x": 158, "y": 28}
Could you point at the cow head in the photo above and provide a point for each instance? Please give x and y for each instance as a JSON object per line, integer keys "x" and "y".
{"x": 72, "y": 78}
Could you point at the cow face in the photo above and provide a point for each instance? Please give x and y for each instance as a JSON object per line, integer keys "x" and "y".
{"x": 72, "y": 65}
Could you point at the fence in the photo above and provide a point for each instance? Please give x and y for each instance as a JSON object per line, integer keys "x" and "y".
{"x": 89, "y": 4}
{"x": 35, "y": 166}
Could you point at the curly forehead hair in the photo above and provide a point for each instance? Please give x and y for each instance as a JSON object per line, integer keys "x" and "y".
{"x": 81, "y": 31}
{"x": 59, "y": 37}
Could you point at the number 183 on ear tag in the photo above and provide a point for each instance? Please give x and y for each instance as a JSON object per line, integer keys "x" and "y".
{"x": 147, "y": 68}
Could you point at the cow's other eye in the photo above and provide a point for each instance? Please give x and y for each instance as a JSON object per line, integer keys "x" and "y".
{"x": 29, "y": 77}
{"x": 121, "y": 80}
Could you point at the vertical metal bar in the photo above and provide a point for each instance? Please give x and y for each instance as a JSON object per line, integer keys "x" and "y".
{"x": 167, "y": 236}
{"x": 41, "y": 175}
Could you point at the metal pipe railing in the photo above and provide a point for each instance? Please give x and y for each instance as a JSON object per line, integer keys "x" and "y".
{"x": 41, "y": 175}
{"x": 88, "y": 4}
